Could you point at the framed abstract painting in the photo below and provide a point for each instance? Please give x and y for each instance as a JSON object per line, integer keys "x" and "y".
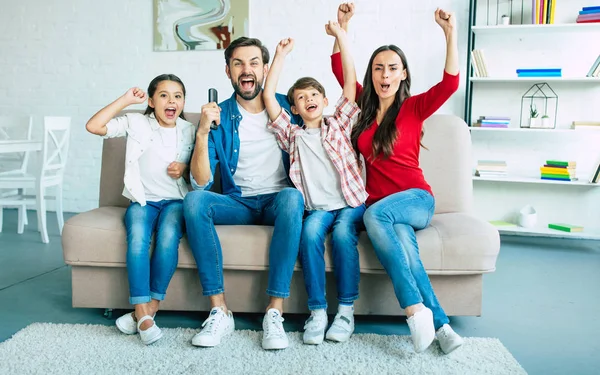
{"x": 186, "y": 25}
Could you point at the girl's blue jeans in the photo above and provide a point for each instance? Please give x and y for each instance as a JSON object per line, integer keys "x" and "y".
{"x": 391, "y": 224}
{"x": 344, "y": 225}
{"x": 149, "y": 275}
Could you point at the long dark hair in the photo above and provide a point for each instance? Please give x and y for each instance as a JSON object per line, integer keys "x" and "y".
{"x": 154, "y": 84}
{"x": 386, "y": 134}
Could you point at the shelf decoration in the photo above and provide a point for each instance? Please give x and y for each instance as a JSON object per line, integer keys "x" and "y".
{"x": 539, "y": 107}
{"x": 522, "y": 12}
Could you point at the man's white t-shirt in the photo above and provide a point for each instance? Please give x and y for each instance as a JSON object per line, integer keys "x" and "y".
{"x": 260, "y": 167}
{"x": 153, "y": 166}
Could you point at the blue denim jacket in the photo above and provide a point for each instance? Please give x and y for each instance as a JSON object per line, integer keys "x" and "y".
{"x": 224, "y": 143}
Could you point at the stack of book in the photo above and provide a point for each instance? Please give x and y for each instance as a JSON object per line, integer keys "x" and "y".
{"x": 589, "y": 15}
{"x": 595, "y": 69}
{"x": 543, "y": 11}
{"x": 559, "y": 170}
{"x": 491, "y": 168}
{"x": 539, "y": 72}
{"x": 492, "y": 122}
{"x": 594, "y": 125}
{"x": 478, "y": 63}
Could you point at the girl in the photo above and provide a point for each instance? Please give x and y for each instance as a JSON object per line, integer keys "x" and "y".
{"x": 159, "y": 146}
{"x": 388, "y": 135}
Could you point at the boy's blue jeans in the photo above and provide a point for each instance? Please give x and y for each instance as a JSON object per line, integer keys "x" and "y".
{"x": 149, "y": 276}
{"x": 391, "y": 224}
{"x": 344, "y": 225}
{"x": 204, "y": 209}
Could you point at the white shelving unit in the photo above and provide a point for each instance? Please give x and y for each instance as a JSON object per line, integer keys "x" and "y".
{"x": 536, "y": 180}
{"x": 495, "y": 143}
{"x": 587, "y": 234}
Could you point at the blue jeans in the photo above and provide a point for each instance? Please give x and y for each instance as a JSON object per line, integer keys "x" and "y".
{"x": 204, "y": 209}
{"x": 344, "y": 225}
{"x": 148, "y": 276}
{"x": 391, "y": 225}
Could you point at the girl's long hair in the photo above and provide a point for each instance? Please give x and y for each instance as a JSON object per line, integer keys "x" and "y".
{"x": 386, "y": 134}
{"x": 154, "y": 84}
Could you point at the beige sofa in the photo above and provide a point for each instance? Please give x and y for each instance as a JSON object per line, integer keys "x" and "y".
{"x": 456, "y": 249}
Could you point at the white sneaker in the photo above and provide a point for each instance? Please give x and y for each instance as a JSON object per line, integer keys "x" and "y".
{"x": 422, "y": 330}
{"x": 218, "y": 325}
{"x": 448, "y": 339}
{"x": 150, "y": 335}
{"x": 274, "y": 336}
{"x": 342, "y": 327}
{"x": 127, "y": 324}
{"x": 314, "y": 327}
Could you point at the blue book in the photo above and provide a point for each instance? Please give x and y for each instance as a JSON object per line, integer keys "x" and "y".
{"x": 556, "y": 179}
{"x": 591, "y": 8}
{"x": 541, "y": 74}
{"x": 536, "y": 70}
{"x": 592, "y": 11}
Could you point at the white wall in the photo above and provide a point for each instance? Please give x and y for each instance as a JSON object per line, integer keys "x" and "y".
{"x": 74, "y": 57}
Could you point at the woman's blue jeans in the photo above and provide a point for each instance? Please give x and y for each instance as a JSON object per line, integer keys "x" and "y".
{"x": 344, "y": 225}
{"x": 391, "y": 224}
{"x": 149, "y": 276}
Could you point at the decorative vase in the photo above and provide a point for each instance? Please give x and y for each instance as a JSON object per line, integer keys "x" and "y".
{"x": 505, "y": 20}
{"x": 527, "y": 217}
{"x": 534, "y": 122}
{"x": 546, "y": 123}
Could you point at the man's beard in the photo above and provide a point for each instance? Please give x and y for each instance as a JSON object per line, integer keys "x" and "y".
{"x": 246, "y": 95}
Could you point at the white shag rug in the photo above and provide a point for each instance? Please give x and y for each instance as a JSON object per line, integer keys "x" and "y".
{"x": 44, "y": 348}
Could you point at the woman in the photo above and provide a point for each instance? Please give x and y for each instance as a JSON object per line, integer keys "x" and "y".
{"x": 388, "y": 135}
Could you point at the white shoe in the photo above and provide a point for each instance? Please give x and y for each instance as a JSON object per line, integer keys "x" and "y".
{"x": 127, "y": 324}
{"x": 422, "y": 330}
{"x": 314, "y": 327}
{"x": 342, "y": 327}
{"x": 274, "y": 336}
{"x": 448, "y": 339}
{"x": 150, "y": 335}
{"x": 218, "y": 325}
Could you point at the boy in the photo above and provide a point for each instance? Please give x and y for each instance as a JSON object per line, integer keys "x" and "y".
{"x": 325, "y": 170}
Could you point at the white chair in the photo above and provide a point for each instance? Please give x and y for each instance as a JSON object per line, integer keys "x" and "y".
{"x": 15, "y": 164}
{"x": 55, "y": 148}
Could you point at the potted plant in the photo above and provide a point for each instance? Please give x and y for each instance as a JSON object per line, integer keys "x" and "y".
{"x": 546, "y": 122}
{"x": 533, "y": 116}
{"x": 505, "y": 19}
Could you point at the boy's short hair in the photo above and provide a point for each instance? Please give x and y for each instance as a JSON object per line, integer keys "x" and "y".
{"x": 304, "y": 83}
{"x": 246, "y": 42}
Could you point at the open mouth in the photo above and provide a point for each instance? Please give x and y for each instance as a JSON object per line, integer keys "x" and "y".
{"x": 171, "y": 113}
{"x": 311, "y": 107}
{"x": 247, "y": 83}
{"x": 385, "y": 88}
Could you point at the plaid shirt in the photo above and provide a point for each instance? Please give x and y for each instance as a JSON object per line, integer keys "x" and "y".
{"x": 335, "y": 136}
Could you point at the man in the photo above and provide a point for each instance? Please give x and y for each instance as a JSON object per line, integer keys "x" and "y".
{"x": 256, "y": 190}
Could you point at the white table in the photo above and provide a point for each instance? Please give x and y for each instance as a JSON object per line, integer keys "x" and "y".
{"x": 19, "y": 146}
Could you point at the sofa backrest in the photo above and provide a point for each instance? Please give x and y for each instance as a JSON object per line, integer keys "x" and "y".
{"x": 446, "y": 164}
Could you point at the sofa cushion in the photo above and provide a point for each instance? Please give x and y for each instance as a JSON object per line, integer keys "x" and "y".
{"x": 454, "y": 243}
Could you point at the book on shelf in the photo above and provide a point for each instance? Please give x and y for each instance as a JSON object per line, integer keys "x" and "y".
{"x": 502, "y": 224}
{"x": 588, "y": 15}
{"x": 562, "y": 163}
{"x": 566, "y": 227}
{"x": 539, "y": 72}
{"x": 478, "y": 62}
{"x": 596, "y": 175}
{"x": 543, "y": 11}
{"x": 595, "y": 69}
{"x": 586, "y": 125}
{"x": 492, "y": 122}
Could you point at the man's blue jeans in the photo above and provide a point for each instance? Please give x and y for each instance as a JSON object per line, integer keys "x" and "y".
{"x": 391, "y": 225}
{"x": 204, "y": 209}
{"x": 344, "y": 225}
{"x": 148, "y": 276}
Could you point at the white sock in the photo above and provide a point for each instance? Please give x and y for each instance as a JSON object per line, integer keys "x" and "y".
{"x": 346, "y": 309}
{"x": 320, "y": 312}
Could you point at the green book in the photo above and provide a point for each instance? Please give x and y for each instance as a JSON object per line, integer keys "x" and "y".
{"x": 561, "y": 163}
{"x": 566, "y": 227}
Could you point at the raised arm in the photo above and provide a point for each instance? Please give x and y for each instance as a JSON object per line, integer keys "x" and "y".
{"x": 97, "y": 124}
{"x": 349, "y": 88}
{"x": 447, "y": 22}
{"x": 200, "y": 164}
{"x": 284, "y": 47}
{"x": 344, "y": 14}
